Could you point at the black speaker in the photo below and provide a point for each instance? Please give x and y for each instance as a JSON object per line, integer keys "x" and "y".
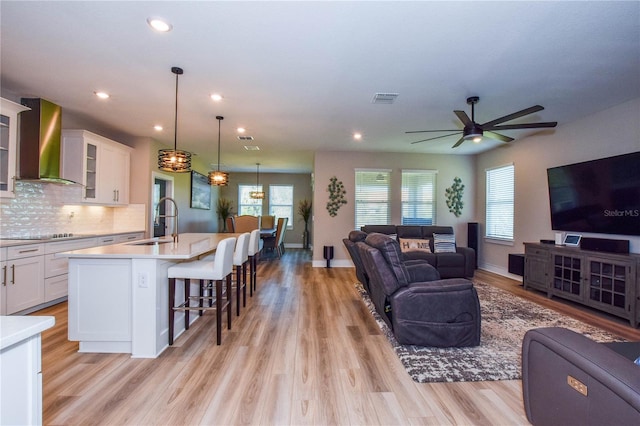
{"x": 605, "y": 245}
{"x": 472, "y": 238}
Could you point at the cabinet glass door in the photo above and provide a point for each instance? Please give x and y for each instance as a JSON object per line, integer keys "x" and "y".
{"x": 566, "y": 274}
{"x": 4, "y": 153}
{"x": 607, "y": 283}
{"x": 90, "y": 172}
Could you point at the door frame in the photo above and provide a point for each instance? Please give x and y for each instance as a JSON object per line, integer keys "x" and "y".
{"x": 152, "y": 204}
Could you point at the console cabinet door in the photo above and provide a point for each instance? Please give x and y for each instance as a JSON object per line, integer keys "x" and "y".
{"x": 610, "y": 285}
{"x": 536, "y": 268}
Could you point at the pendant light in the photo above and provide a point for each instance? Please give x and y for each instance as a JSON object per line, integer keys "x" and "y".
{"x": 175, "y": 160}
{"x": 217, "y": 177}
{"x": 257, "y": 194}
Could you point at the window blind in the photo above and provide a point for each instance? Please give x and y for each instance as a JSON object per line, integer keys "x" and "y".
{"x": 499, "y": 204}
{"x": 372, "y": 197}
{"x": 418, "y": 197}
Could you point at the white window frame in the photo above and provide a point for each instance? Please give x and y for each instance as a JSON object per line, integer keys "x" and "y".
{"x": 369, "y": 199}
{"x": 419, "y": 190}
{"x": 247, "y": 201}
{"x": 289, "y": 206}
{"x": 500, "y": 204}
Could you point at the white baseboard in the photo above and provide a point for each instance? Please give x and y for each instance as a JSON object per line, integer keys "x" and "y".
{"x": 499, "y": 270}
{"x": 340, "y": 263}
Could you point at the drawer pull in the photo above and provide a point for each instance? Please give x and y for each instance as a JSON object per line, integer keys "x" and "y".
{"x": 28, "y": 251}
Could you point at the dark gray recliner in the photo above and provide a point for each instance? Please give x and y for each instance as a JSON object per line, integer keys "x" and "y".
{"x": 569, "y": 379}
{"x": 420, "y": 308}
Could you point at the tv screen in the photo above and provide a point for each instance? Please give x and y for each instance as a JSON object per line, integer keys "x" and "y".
{"x": 599, "y": 196}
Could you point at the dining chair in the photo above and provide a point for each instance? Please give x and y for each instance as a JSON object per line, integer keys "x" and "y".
{"x": 209, "y": 273}
{"x": 267, "y": 222}
{"x": 230, "y": 225}
{"x": 255, "y": 243}
{"x": 276, "y": 242}
{"x": 246, "y": 223}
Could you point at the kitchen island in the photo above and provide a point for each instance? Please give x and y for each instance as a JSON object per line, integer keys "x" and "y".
{"x": 118, "y": 294}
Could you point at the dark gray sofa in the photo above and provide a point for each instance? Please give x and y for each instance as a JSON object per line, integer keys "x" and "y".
{"x": 418, "y": 306}
{"x": 568, "y": 379}
{"x": 460, "y": 264}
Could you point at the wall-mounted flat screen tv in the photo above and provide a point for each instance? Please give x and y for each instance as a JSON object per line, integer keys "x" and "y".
{"x": 599, "y": 196}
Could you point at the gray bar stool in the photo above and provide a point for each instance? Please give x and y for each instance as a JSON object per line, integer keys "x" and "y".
{"x": 208, "y": 271}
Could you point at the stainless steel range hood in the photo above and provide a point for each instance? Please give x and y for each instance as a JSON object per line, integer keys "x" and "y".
{"x": 41, "y": 142}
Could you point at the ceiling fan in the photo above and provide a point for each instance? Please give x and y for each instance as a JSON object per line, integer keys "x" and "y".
{"x": 474, "y": 132}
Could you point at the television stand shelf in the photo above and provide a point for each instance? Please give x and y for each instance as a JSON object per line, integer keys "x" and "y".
{"x": 604, "y": 281}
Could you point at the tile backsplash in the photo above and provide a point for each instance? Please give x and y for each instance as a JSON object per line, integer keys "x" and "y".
{"x": 44, "y": 209}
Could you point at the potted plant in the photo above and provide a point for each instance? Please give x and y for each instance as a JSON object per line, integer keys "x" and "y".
{"x": 224, "y": 210}
{"x": 304, "y": 210}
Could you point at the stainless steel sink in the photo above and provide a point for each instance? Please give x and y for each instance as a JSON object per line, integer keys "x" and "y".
{"x": 150, "y": 243}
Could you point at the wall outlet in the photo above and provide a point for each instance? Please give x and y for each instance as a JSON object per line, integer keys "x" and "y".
{"x": 143, "y": 280}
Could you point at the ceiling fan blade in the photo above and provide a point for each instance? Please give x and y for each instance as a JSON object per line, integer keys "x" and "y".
{"x": 497, "y": 136}
{"x": 437, "y": 137}
{"x": 525, "y": 126}
{"x": 463, "y": 117}
{"x": 513, "y": 116}
{"x": 425, "y": 131}
{"x": 457, "y": 144}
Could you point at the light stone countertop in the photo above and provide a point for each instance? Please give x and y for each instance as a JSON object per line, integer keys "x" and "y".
{"x": 189, "y": 246}
{"x": 14, "y": 329}
{"x": 17, "y": 242}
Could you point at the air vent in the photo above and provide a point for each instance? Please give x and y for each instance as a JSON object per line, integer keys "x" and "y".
{"x": 384, "y": 98}
{"x": 245, "y": 138}
{"x": 252, "y": 148}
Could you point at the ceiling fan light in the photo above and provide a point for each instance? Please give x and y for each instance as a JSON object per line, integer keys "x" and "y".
{"x": 477, "y": 139}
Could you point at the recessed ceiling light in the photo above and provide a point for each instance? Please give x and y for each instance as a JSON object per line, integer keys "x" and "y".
{"x": 252, "y": 148}
{"x": 216, "y": 97}
{"x": 159, "y": 25}
{"x": 241, "y": 130}
{"x": 102, "y": 95}
{"x": 157, "y": 128}
{"x": 357, "y": 136}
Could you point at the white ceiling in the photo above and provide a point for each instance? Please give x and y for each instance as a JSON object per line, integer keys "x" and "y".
{"x": 300, "y": 76}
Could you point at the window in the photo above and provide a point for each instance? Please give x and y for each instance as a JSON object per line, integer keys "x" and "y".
{"x": 418, "y": 197}
{"x": 246, "y": 204}
{"x": 372, "y": 197}
{"x": 499, "y": 209}
{"x": 281, "y": 202}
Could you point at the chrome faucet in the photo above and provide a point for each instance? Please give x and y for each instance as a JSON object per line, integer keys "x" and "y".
{"x": 175, "y": 216}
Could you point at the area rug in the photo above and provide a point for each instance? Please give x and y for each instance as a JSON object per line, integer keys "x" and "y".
{"x": 505, "y": 320}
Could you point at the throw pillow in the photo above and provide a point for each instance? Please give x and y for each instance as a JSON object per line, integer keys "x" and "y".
{"x": 444, "y": 243}
{"x": 410, "y": 244}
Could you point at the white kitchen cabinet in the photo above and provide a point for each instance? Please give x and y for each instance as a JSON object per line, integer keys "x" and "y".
{"x": 100, "y": 164}
{"x": 21, "y": 366}
{"x": 8, "y": 145}
{"x": 56, "y": 268}
{"x": 119, "y": 238}
{"x": 25, "y": 275}
{"x": 3, "y": 281}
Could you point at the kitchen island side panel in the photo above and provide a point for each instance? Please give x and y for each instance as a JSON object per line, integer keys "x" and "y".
{"x": 100, "y": 301}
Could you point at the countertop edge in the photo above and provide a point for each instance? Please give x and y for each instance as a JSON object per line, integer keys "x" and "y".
{"x": 14, "y": 329}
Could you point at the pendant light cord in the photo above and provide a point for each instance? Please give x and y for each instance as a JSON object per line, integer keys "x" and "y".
{"x": 175, "y": 126}
{"x": 219, "y": 118}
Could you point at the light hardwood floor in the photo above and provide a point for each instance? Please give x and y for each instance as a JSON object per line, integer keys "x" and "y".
{"x": 305, "y": 350}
